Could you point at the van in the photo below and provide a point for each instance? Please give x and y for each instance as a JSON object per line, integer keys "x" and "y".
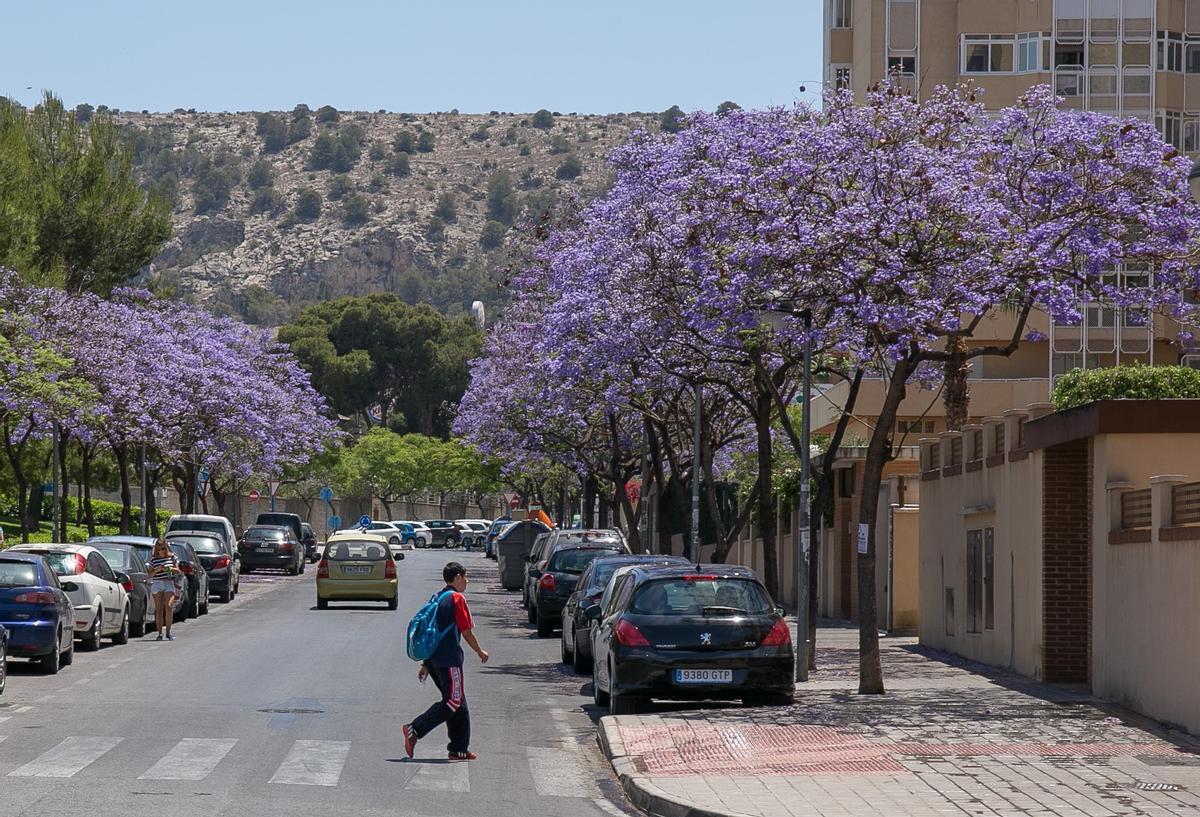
{"x": 206, "y": 523}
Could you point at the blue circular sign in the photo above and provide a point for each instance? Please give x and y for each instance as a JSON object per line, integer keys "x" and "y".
{"x": 364, "y": 521}
{"x": 326, "y": 494}
{"x": 335, "y": 521}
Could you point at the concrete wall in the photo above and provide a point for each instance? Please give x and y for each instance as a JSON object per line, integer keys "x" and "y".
{"x": 1146, "y": 609}
{"x": 906, "y": 526}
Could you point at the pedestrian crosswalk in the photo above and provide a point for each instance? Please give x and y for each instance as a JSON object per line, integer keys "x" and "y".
{"x": 554, "y": 771}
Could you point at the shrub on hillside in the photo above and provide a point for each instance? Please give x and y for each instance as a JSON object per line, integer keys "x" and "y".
{"x": 543, "y": 120}
{"x": 1082, "y": 386}
{"x": 308, "y": 204}
{"x": 671, "y": 120}
{"x": 378, "y": 151}
{"x": 404, "y": 142}
{"x": 83, "y": 113}
{"x": 501, "y": 198}
{"x": 321, "y": 156}
{"x": 480, "y": 134}
{"x": 356, "y": 210}
{"x": 425, "y": 142}
{"x": 327, "y": 114}
{"x": 339, "y": 186}
{"x": 211, "y": 189}
{"x": 447, "y": 209}
{"x": 266, "y": 200}
{"x": 435, "y": 230}
{"x": 570, "y": 168}
{"x": 559, "y": 144}
{"x": 378, "y": 183}
{"x": 398, "y": 165}
{"x": 262, "y": 174}
{"x": 492, "y": 235}
{"x": 274, "y": 132}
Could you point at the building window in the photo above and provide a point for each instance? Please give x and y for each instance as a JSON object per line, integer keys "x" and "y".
{"x": 905, "y": 66}
{"x": 841, "y": 77}
{"x": 976, "y": 445}
{"x": 989, "y": 578}
{"x": 846, "y": 482}
{"x": 998, "y": 438}
{"x": 935, "y": 456}
{"x": 1029, "y": 52}
{"x": 914, "y": 426}
{"x": 1170, "y": 51}
{"x": 974, "y": 581}
{"x": 987, "y": 53}
{"x": 1170, "y": 125}
{"x": 841, "y": 13}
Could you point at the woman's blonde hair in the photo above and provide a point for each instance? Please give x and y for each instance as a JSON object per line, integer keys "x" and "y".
{"x": 161, "y": 542}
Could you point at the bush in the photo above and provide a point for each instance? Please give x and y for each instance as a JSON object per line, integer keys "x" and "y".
{"x": 322, "y": 153}
{"x": 447, "y": 209}
{"x": 543, "y": 120}
{"x": 1082, "y": 386}
{"x": 425, "y": 142}
{"x": 559, "y": 144}
{"x": 356, "y": 210}
{"x": 308, "y": 204}
{"x": 262, "y": 174}
{"x": 726, "y": 107}
{"x": 435, "y": 230}
{"x": 501, "y": 198}
{"x": 83, "y": 113}
{"x": 301, "y": 111}
{"x": 404, "y": 142}
{"x": 570, "y": 168}
{"x": 378, "y": 151}
{"x": 211, "y": 189}
{"x": 274, "y": 132}
{"x": 299, "y": 130}
{"x": 480, "y": 134}
{"x": 671, "y": 120}
{"x": 339, "y": 186}
{"x": 378, "y": 183}
{"x": 266, "y": 200}
{"x": 492, "y": 235}
{"x": 397, "y": 165}
{"x": 327, "y": 113}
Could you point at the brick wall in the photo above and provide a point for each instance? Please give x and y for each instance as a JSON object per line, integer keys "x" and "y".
{"x": 1066, "y": 562}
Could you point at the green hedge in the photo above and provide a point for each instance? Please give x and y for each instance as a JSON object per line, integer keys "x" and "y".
{"x": 106, "y": 514}
{"x": 1083, "y": 386}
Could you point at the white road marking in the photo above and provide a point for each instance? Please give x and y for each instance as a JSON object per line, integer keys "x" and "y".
{"x": 190, "y": 759}
{"x": 313, "y": 763}
{"x": 557, "y": 773}
{"x": 3, "y": 718}
{"x": 70, "y": 756}
{"x": 21, "y": 709}
{"x": 441, "y": 777}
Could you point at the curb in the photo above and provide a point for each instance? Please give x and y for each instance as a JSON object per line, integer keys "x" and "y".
{"x": 639, "y": 788}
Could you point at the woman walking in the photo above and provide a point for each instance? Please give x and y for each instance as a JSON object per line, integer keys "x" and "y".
{"x": 164, "y": 573}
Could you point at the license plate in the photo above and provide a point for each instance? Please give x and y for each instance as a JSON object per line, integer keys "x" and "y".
{"x": 356, "y": 570}
{"x": 266, "y": 549}
{"x": 704, "y": 676}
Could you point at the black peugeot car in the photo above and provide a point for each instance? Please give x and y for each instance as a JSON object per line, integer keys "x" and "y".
{"x": 271, "y": 546}
{"x": 691, "y": 632}
{"x": 557, "y": 578}
{"x": 576, "y": 632}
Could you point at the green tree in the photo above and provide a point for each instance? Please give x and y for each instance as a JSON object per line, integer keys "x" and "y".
{"x": 390, "y": 466}
{"x": 299, "y": 130}
{"x": 273, "y": 130}
{"x": 327, "y": 114}
{"x": 435, "y": 230}
{"x": 339, "y": 185}
{"x": 266, "y": 200}
{"x": 501, "y": 198}
{"x": 559, "y": 144}
{"x": 308, "y": 204}
{"x": 94, "y": 226}
{"x": 83, "y": 113}
{"x": 378, "y": 151}
{"x": 543, "y": 120}
{"x": 323, "y": 150}
{"x": 492, "y": 235}
{"x": 671, "y": 120}
{"x": 727, "y": 107}
{"x": 356, "y": 210}
{"x": 570, "y": 168}
{"x": 212, "y": 187}
{"x": 398, "y": 165}
{"x": 425, "y": 142}
{"x": 262, "y": 174}
{"x": 447, "y": 208}
{"x": 405, "y": 142}
{"x": 480, "y": 134}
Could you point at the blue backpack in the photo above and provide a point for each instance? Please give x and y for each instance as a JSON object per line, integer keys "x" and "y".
{"x": 423, "y": 633}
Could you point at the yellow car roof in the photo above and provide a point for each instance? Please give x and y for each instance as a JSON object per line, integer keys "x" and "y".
{"x": 357, "y": 536}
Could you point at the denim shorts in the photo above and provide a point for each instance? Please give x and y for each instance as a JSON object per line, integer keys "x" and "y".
{"x": 163, "y": 586}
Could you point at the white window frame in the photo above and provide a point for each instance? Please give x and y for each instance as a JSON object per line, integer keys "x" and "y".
{"x": 1028, "y": 43}
{"x": 841, "y": 75}
{"x": 990, "y": 41}
{"x": 1169, "y": 52}
{"x": 841, "y": 14}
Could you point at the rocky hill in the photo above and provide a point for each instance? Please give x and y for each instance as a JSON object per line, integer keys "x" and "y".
{"x": 275, "y": 210}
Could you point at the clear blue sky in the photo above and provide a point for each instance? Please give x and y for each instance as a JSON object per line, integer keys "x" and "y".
{"x": 601, "y": 56}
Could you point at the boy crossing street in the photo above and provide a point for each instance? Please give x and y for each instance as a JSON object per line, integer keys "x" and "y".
{"x": 445, "y": 666}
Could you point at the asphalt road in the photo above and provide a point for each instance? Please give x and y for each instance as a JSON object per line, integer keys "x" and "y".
{"x": 269, "y": 707}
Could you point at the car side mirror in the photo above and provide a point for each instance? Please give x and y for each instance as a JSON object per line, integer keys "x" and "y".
{"x": 122, "y": 578}
{"x": 69, "y": 587}
{"x": 400, "y": 557}
{"x": 592, "y": 613}
{"x": 779, "y": 611}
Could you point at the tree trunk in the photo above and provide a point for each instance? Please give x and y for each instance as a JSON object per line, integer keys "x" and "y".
{"x": 870, "y": 673}
{"x": 956, "y": 393}
{"x": 766, "y": 497}
{"x": 60, "y": 535}
{"x": 603, "y": 512}
{"x": 589, "y": 502}
{"x": 14, "y": 451}
{"x": 387, "y": 507}
{"x": 151, "y": 507}
{"x": 86, "y": 454}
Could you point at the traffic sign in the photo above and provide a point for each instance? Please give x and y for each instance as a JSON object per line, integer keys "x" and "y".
{"x": 364, "y": 521}
{"x": 334, "y": 521}
{"x": 326, "y": 494}
{"x": 514, "y": 503}
{"x": 272, "y": 487}
{"x": 253, "y": 496}
{"x": 375, "y": 412}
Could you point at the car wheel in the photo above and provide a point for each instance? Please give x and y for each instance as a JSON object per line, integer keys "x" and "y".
{"x": 599, "y": 697}
{"x": 91, "y": 641}
{"x": 566, "y": 656}
{"x": 545, "y": 626}
{"x": 622, "y": 704}
{"x": 51, "y": 663}
{"x": 225, "y": 596}
{"x": 394, "y": 603}
{"x": 322, "y": 604}
{"x": 121, "y": 636}
{"x": 137, "y": 629}
{"x": 67, "y": 657}
{"x": 531, "y": 614}
{"x": 303, "y": 565}
{"x": 3, "y": 667}
{"x": 582, "y": 665}
{"x": 204, "y": 606}
{"x": 194, "y": 604}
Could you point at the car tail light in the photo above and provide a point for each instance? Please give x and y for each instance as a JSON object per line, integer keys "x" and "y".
{"x": 80, "y": 565}
{"x": 36, "y": 597}
{"x": 779, "y": 635}
{"x": 323, "y": 569}
{"x": 128, "y": 586}
{"x": 220, "y": 562}
{"x": 547, "y": 582}
{"x": 698, "y": 578}
{"x": 629, "y": 635}
{"x": 389, "y": 569}
{"x": 286, "y": 547}
{"x": 186, "y": 567}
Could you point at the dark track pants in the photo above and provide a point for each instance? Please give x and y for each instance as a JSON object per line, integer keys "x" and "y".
{"x": 450, "y": 710}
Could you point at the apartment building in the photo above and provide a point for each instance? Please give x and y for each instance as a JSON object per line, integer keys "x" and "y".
{"x": 1138, "y": 58}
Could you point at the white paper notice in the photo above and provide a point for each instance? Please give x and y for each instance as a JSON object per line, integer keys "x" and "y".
{"x": 864, "y": 533}
{"x": 804, "y": 541}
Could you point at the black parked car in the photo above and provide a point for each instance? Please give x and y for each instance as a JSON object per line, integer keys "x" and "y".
{"x": 220, "y": 563}
{"x": 445, "y": 533}
{"x": 489, "y": 541}
{"x": 308, "y": 538}
{"x": 545, "y": 546}
{"x": 690, "y": 632}
{"x": 195, "y": 578}
{"x": 271, "y": 546}
{"x": 126, "y": 559}
{"x": 576, "y": 626}
{"x": 557, "y": 577}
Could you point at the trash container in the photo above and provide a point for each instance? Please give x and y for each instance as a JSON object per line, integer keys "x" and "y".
{"x": 512, "y": 553}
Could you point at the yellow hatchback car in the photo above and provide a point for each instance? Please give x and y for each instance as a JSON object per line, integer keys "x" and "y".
{"x": 357, "y": 567}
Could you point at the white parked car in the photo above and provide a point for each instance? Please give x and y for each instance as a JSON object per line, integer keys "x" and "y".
{"x": 424, "y": 534}
{"x": 393, "y": 534}
{"x": 94, "y": 588}
{"x": 474, "y": 531}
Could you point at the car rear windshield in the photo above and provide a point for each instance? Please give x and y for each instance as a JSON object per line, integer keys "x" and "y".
{"x": 181, "y": 552}
{"x": 197, "y": 524}
{"x": 114, "y": 556}
{"x": 201, "y": 544}
{"x": 63, "y": 564}
{"x": 700, "y": 595}
{"x": 17, "y": 574}
{"x": 576, "y": 559}
{"x": 355, "y": 549}
{"x": 265, "y": 534}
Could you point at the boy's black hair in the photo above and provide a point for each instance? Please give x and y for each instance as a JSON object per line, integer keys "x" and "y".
{"x": 451, "y": 570}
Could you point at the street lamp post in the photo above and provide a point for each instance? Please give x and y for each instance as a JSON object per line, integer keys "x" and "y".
{"x": 804, "y": 522}
{"x": 694, "y": 548}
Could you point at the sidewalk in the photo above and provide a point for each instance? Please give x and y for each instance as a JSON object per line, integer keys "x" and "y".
{"x": 949, "y": 738}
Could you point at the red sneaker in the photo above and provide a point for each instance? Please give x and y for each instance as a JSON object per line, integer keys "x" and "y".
{"x": 462, "y": 756}
{"x": 410, "y": 740}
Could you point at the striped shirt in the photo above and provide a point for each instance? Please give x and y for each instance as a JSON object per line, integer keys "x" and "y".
{"x": 163, "y": 567}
